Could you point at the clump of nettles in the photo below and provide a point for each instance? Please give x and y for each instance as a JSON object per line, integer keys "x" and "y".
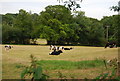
{"x": 61, "y": 76}
{"x": 113, "y": 63}
{"x": 34, "y": 71}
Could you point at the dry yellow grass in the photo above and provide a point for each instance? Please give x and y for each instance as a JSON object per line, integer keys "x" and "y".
{"x": 20, "y": 54}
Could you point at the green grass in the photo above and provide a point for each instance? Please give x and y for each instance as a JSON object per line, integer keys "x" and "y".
{"x": 69, "y": 65}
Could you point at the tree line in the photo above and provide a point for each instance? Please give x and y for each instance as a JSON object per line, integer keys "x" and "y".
{"x": 58, "y": 25}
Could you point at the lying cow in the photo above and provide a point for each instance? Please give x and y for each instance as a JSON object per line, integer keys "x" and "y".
{"x": 55, "y": 52}
{"x": 53, "y": 47}
{"x": 67, "y": 48}
{"x": 60, "y": 48}
{"x": 7, "y": 47}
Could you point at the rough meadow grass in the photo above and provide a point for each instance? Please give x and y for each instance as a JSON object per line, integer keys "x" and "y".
{"x": 70, "y": 65}
{"x": 79, "y": 62}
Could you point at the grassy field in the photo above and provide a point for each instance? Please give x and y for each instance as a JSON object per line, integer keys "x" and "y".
{"x": 77, "y": 59}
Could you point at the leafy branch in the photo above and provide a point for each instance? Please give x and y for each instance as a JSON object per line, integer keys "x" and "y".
{"x": 71, "y": 4}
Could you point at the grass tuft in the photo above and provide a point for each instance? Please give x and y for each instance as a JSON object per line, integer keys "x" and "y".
{"x": 19, "y": 66}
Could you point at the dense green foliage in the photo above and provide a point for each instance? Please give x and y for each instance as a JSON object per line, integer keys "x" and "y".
{"x": 58, "y": 26}
{"x": 111, "y": 22}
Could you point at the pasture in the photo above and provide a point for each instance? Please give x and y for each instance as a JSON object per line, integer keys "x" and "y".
{"x": 14, "y": 60}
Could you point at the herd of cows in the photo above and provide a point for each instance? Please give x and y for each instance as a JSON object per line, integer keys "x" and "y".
{"x": 57, "y": 50}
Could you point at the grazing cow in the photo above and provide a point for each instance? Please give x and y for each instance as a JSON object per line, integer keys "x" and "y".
{"x": 55, "y": 52}
{"x": 68, "y": 48}
{"x": 110, "y": 45}
{"x": 7, "y": 47}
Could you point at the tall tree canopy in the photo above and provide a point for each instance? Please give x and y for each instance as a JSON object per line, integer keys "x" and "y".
{"x": 57, "y": 25}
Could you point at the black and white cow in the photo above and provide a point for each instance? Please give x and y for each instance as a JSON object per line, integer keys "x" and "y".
{"x": 53, "y": 47}
{"x": 68, "y": 48}
{"x": 110, "y": 44}
{"x": 60, "y": 48}
{"x": 7, "y": 47}
{"x": 55, "y": 52}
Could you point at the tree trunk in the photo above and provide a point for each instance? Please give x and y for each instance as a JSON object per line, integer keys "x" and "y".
{"x": 49, "y": 42}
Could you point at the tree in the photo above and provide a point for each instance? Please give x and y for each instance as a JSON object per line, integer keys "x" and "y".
{"x": 89, "y": 30}
{"x": 96, "y": 33}
{"x": 111, "y": 21}
{"x": 58, "y": 12}
{"x": 54, "y": 19}
{"x": 10, "y": 34}
{"x": 8, "y": 19}
{"x": 51, "y": 31}
{"x": 23, "y": 21}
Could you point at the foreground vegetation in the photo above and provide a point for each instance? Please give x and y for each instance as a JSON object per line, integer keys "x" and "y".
{"x": 57, "y": 68}
{"x": 37, "y": 66}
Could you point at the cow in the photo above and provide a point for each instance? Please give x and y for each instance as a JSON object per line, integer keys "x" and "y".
{"x": 68, "y": 48}
{"x": 60, "y": 48}
{"x": 110, "y": 45}
{"x": 55, "y": 52}
{"x": 7, "y": 47}
{"x": 53, "y": 47}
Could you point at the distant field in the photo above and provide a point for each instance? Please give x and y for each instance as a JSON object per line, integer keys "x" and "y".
{"x": 41, "y": 41}
{"x": 20, "y": 55}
